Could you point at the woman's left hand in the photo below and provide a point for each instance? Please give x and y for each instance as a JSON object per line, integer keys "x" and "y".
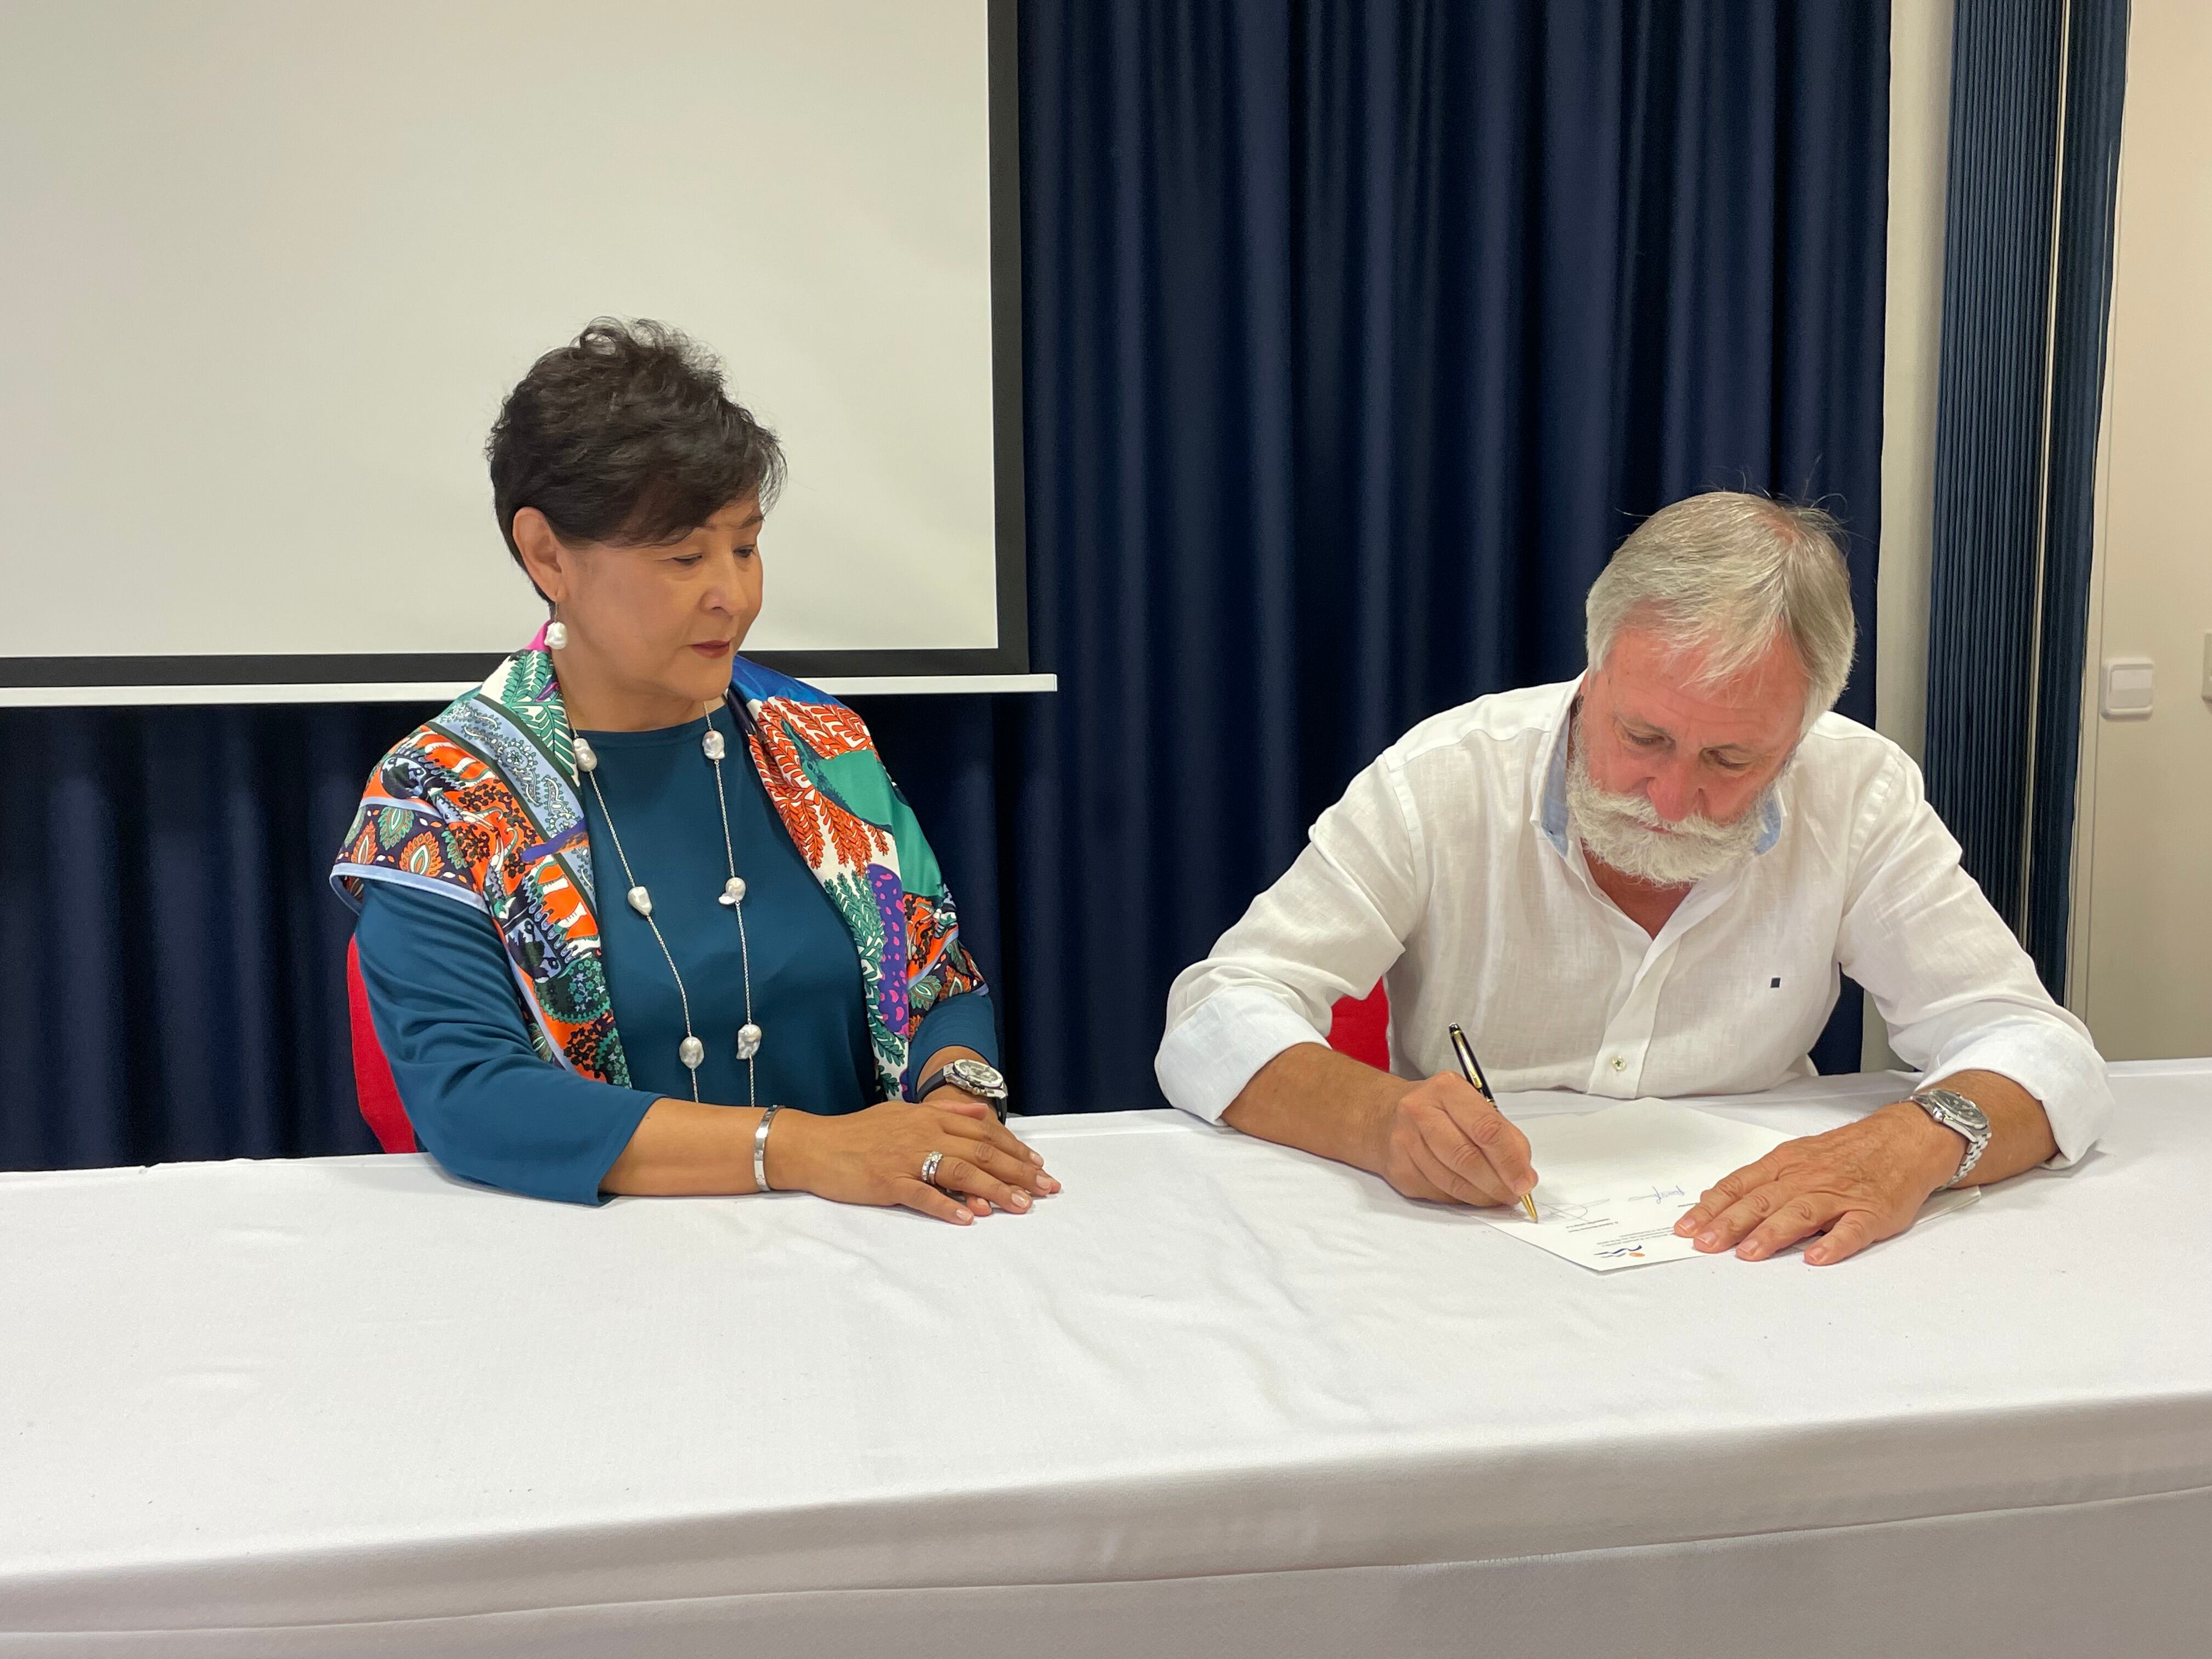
{"x": 950, "y": 1099}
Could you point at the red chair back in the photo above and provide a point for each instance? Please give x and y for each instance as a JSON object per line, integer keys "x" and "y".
{"x": 373, "y": 1086}
{"x": 1360, "y": 1027}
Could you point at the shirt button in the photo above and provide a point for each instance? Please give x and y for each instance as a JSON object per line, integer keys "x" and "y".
{"x": 1619, "y": 1064}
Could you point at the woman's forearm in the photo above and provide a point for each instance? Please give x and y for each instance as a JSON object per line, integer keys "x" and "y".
{"x": 945, "y": 1056}
{"x": 684, "y": 1148}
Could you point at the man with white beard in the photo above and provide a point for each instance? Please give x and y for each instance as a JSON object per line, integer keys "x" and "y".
{"x": 1646, "y": 882}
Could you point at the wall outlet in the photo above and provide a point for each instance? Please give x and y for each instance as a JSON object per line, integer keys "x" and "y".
{"x": 2128, "y": 688}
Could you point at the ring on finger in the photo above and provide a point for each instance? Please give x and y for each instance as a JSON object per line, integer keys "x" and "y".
{"x": 929, "y": 1168}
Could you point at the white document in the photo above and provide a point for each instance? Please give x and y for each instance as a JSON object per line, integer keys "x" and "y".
{"x": 1612, "y": 1184}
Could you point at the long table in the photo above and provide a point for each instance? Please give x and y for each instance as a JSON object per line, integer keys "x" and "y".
{"x": 1217, "y": 1398}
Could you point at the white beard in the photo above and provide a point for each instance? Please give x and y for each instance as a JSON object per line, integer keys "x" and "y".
{"x": 1625, "y": 832}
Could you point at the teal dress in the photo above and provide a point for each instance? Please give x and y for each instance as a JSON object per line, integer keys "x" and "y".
{"x": 443, "y": 994}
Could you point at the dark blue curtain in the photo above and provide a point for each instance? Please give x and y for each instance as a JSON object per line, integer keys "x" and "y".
{"x": 2081, "y": 303}
{"x": 1356, "y": 337}
{"x": 2036, "y": 95}
{"x": 171, "y": 959}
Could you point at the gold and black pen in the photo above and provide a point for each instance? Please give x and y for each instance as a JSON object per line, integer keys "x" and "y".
{"x": 1471, "y": 1069}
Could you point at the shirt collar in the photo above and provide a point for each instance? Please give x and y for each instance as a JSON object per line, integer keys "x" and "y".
{"x": 1552, "y": 803}
{"x": 1551, "y": 814}
{"x": 1770, "y": 825}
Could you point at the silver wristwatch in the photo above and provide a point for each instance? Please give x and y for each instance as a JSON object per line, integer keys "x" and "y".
{"x": 1954, "y": 1111}
{"x": 970, "y": 1077}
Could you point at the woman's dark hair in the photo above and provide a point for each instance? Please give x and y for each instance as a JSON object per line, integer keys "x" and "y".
{"x": 627, "y": 436}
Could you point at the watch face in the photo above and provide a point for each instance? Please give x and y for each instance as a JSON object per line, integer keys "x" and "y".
{"x": 975, "y": 1078}
{"x": 1954, "y": 1108}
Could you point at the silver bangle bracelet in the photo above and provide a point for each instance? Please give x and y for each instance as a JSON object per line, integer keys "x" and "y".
{"x": 759, "y": 1149}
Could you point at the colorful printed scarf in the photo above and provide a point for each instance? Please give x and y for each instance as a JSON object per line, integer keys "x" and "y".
{"x": 480, "y": 805}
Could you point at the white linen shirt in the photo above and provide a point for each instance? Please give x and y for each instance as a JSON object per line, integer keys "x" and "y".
{"x": 1449, "y": 870}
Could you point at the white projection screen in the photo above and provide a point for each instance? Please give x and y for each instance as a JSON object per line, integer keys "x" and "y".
{"x": 270, "y": 267}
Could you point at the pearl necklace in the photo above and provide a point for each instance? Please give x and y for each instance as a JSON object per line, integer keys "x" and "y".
{"x": 691, "y": 1051}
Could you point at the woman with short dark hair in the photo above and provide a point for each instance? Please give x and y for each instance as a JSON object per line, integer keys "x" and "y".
{"x": 637, "y": 915}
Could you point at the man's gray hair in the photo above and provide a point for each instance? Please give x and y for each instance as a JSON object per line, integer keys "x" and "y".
{"x": 1718, "y": 573}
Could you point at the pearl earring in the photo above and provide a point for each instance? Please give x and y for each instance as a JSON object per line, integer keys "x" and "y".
{"x": 556, "y": 635}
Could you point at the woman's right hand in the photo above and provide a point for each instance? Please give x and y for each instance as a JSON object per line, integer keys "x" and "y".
{"x": 875, "y": 1157}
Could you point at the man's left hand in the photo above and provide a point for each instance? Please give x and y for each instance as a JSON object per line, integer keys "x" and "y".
{"x": 1863, "y": 1183}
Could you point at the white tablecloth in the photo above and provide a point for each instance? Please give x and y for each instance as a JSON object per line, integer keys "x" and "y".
{"x": 1217, "y": 1398}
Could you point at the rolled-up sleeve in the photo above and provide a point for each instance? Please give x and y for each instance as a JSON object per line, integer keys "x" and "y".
{"x": 1957, "y": 990}
{"x": 1329, "y": 928}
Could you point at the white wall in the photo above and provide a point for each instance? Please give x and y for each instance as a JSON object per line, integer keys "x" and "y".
{"x": 2142, "y": 919}
{"x": 1919, "y": 155}
{"x": 1919, "y": 159}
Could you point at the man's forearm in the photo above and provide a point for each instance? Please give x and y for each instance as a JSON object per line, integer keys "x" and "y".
{"x": 2019, "y": 1133}
{"x": 1321, "y": 1101}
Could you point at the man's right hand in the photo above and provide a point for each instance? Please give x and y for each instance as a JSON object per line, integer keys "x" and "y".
{"x": 1443, "y": 1141}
